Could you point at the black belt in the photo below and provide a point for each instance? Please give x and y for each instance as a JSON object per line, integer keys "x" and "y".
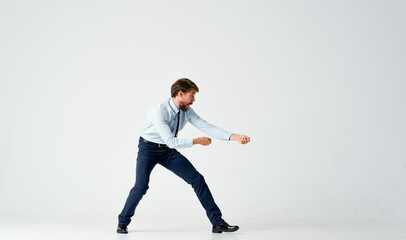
{"x": 155, "y": 144}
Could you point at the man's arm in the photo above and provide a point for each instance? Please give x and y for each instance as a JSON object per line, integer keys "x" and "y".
{"x": 206, "y": 127}
{"x": 213, "y": 131}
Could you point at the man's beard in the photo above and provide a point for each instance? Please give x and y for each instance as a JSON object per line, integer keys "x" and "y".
{"x": 183, "y": 106}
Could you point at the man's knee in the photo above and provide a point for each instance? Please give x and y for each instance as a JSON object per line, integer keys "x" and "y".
{"x": 142, "y": 189}
{"x": 198, "y": 179}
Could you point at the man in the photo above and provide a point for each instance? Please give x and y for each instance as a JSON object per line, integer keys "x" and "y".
{"x": 158, "y": 143}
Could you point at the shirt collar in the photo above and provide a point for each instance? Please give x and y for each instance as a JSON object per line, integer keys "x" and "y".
{"x": 173, "y": 106}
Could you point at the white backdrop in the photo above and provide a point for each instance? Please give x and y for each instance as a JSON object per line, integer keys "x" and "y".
{"x": 319, "y": 86}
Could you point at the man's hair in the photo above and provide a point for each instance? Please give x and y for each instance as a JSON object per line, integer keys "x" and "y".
{"x": 183, "y": 85}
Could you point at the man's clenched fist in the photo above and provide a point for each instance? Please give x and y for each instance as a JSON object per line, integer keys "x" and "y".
{"x": 243, "y": 139}
{"x": 202, "y": 140}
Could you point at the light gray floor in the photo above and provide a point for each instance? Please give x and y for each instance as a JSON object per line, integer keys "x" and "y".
{"x": 98, "y": 228}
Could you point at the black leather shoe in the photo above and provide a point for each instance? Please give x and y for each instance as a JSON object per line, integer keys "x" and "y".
{"x": 121, "y": 228}
{"x": 224, "y": 227}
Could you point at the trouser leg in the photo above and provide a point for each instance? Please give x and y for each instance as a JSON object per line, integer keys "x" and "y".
{"x": 144, "y": 167}
{"x": 182, "y": 167}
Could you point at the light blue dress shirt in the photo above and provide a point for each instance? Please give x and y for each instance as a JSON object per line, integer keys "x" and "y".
{"x": 160, "y": 125}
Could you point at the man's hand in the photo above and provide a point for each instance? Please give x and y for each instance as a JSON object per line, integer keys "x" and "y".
{"x": 243, "y": 139}
{"x": 202, "y": 140}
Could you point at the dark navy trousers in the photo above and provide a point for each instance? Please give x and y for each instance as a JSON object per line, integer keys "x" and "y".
{"x": 148, "y": 156}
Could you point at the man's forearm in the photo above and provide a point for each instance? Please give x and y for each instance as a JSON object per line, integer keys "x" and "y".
{"x": 233, "y": 137}
{"x": 195, "y": 141}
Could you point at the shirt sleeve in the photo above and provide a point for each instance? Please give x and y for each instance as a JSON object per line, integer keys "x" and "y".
{"x": 160, "y": 122}
{"x": 208, "y": 128}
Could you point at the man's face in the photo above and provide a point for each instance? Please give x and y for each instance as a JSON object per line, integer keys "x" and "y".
{"x": 187, "y": 99}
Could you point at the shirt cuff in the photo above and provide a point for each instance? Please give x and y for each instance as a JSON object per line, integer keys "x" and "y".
{"x": 190, "y": 142}
{"x": 229, "y": 136}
